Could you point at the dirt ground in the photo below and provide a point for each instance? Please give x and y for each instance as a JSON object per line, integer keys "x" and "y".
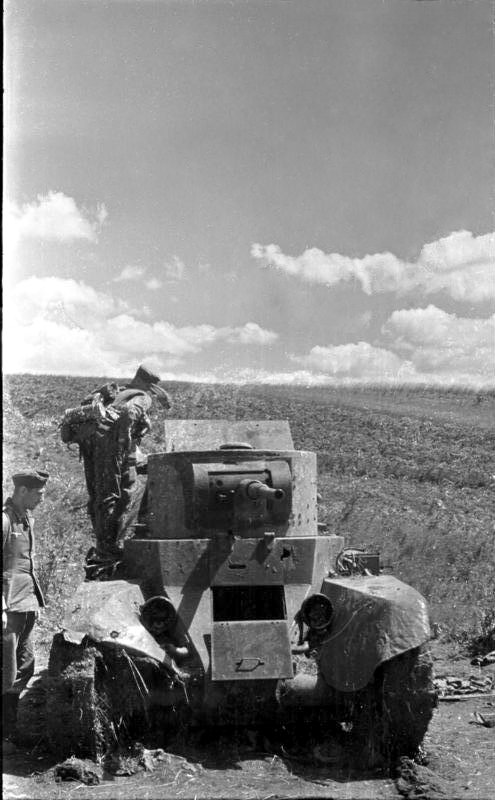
{"x": 459, "y": 758}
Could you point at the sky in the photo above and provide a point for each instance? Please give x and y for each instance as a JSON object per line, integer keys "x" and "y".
{"x": 255, "y": 190}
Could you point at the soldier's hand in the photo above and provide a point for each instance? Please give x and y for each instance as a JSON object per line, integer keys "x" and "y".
{"x": 4, "y": 620}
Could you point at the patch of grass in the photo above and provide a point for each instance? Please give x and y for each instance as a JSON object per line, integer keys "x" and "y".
{"x": 406, "y": 470}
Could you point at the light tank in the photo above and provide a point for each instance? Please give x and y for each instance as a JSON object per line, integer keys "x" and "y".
{"x": 234, "y": 606}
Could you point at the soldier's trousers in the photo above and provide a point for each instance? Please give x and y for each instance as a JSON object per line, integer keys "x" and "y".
{"x": 18, "y": 651}
{"x": 111, "y": 482}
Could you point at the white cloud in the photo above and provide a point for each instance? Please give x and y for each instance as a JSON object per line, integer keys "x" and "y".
{"x": 67, "y": 327}
{"x": 461, "y": 265}
{"x": 130, "y": 273}
{"x": 457, "y": 251}
{"x": 361, "y": 360}
{"x": 48, "y": 347}
{"x": 278, "y": 378}
{"x": 36, "y": 298}
{"x": 135, "y": 273}
{"x": 421, "y": 345}
{"x": 126, "y": 334}
{"x": 437, "y": 342}
{"x": 163, "y": 337}
{"x": 54, "y": 216}
{"x": 61, "y": 326}
{"x": 252, "y": 333}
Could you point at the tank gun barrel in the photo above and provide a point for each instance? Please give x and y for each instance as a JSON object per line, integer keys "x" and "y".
{"x": 256, "y": 490}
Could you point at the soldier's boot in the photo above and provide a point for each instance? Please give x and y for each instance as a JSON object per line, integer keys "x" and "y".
{"x": 10, "y": 703}
{"x": 102, "y": 565}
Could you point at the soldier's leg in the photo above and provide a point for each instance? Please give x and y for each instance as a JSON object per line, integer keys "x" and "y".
{"x": 87, "y": 453}
{"x": 10, "y": 693}
{"x": 108, "y": 470}
{"x": 127, "y": 508}
{"x": 9, "y": 650}
{"x": 25, "y": 652}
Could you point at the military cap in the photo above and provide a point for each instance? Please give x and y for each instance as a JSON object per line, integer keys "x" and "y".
{"x": 31, "y": 479}
{"x": 144, "y": 375}
{"x": 149, "y": 381}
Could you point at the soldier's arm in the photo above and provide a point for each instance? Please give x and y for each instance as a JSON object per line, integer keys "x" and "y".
{"x": 138, "y": 407}
{"x": 5, "y": 535}
{"x": 137, "y": 416}
{"x": 5, "y": 528}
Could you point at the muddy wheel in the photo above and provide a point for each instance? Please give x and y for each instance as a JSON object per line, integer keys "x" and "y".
{"x": 396, "y": 709}
{"x": 77, "y": 715}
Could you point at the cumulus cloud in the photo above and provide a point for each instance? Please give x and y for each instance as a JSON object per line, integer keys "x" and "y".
{"x": 36, "y": 298}
{"x": 67, "y": 327}
{"x": 361, "y": 360}
{"x": 64, "y": 326}
{"x": 461, "y": 265}
{"x": 435, "y": 341}
{"x": 252, "y": 333}
{"x": 420, "y": 345}
{"x": 163, "y": 337}
{"x": 54, "y": 216}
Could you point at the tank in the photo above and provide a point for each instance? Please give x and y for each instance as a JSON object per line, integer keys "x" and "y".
{"x": 235, "y": 607}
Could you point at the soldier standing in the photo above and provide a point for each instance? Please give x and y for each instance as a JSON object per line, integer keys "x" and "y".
{"x": 111, "y": 456}
{"x": 22, "y": 597}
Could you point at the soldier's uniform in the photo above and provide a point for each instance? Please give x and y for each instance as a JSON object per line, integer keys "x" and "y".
{"x": 112, "y": 472}
{"x": 22, "y": 597}
{"x": 110, "y": 462}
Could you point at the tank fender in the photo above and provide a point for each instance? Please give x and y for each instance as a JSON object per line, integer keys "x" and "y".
{"x": 108, "y": 612}
{"x": 375, "y": 618}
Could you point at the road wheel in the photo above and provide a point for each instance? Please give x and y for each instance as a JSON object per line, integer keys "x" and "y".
{"x": 396, "y": 708}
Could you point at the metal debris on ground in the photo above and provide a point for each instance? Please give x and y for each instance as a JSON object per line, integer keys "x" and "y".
{"x": 483, "y": 661}
{"x": 451, "y": 688}
{"x": 487, "y": 720}
{"x": 128, "y": 761}
{"x": 78, "y": 769}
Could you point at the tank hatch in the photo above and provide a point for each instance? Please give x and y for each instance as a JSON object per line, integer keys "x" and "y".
{"x": 250, "y": 636}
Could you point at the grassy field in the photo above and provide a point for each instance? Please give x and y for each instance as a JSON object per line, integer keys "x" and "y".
{"x": 409, "y": 471}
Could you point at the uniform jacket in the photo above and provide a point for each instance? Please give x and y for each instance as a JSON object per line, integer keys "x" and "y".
{"x": 134, "y": 422}
{"x": 20, "y": 588}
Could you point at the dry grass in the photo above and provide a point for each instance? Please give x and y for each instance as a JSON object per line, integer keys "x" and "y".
{"x": 408, "y": 470}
